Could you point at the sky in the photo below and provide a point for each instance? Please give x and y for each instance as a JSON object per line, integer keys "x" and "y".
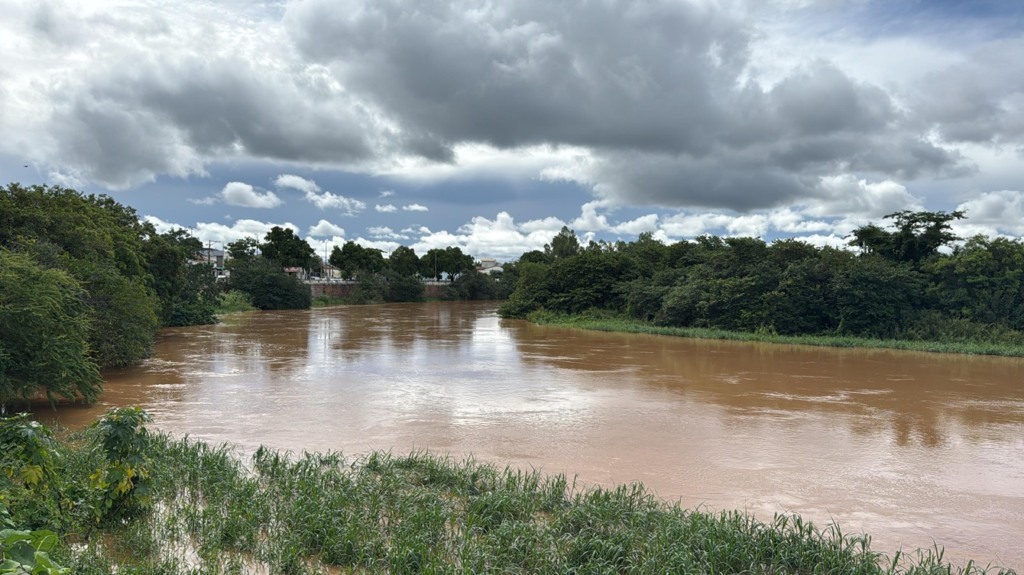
{"x": 489, "y": 125}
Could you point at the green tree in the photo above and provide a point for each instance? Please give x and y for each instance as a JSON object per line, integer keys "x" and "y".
{"x": 187, "y": 291}
{"x": 875, "y": 297}
{"x": 354, "y": 260}
{"x": 533, "y": 290}
{"x": 287, "y": 249}
{"x": 983, "y": 281}
{"x": 451, "y": 262}
{"x": 267, "y": 285}
{"x": 244, "y": 249}
{"x": 404, "y": 261}
{"x": 101, "y": 244}
{"x": 123, "y": 314}
{"x": 44, "y": 333}
{"x": 564, "y": 244}
{"x": 403, "y": 287}
{"x": 918, "y": 235}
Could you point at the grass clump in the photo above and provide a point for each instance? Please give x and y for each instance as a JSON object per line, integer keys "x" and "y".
{"x": 234, "y": 301}
{"x": 210, "y": 510}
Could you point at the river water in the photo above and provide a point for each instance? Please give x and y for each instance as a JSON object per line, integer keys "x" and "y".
{"x": 913, "y": 448}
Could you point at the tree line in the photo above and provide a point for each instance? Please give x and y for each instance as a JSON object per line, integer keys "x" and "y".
{"x": 915, "y": 280}
{"x": 85, "y": 285}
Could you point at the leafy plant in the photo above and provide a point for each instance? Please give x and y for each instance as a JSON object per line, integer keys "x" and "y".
{"x": 123, "y": 479}
{"x": 28, "y": 450}
{"x": 28, "y": 553}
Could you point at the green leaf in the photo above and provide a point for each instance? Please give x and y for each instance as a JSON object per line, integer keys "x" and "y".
{"x": 22, "y": 552}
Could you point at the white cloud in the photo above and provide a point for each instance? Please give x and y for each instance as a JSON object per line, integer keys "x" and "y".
{"x": 415, "y": 208}
{"x": 384, "y": 232}
{"x": 551, "y": 225}
{"x": 385, "y": 209}
{"x": 241, "y": 194}
{"x": 326, "y": 200}
{"x": 244, "y": 228}
{"x": 297, "y": 183}
{"x": 324, "y": 228}
{"x": 648, "y": 223}
{"x": 386, "y": 193}
{"x": 161, "y": 226}
{"x": 992, "y": 214}
{"x": 323, "y": 201}
{"x": 590, "y": 220}
{"x": 846, "y": 195}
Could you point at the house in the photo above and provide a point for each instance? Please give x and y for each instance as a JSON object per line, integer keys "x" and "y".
{"x": 213, "y": 257}
{"x": 489, "y": 266}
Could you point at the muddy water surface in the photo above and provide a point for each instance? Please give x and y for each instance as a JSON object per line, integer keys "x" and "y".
{"x": 912, "y": 448}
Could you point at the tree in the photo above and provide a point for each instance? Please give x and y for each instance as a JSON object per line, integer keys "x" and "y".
{"x": 353, "y": 259}
{"x": 287, "y": 249}
{"x": 101, "y": 244}
{"x": 244, "y": 249}
{"x": 874, "y": 297}
{"x": 918, "y": 235}
{"x": 187, "y": 291}
{"x": 983, "y": 281}
{"x": 267, "y": 285}
{"x": 123, "y": 311}
{"x": 563, "y": 245}
{"x": 403, "y": 287}
{"x": 404, "y": 261}
{"x": 44, "y": 333}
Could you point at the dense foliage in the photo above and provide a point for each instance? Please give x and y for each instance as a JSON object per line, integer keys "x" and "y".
{"x": 135, "y": 503}
{"x": 86, "y": 285}
{"x": 400, "y": 276}
{"x": 900, "y": 284}
{"x": 267, "y": 285}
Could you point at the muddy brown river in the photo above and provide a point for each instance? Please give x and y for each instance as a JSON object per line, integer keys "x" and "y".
{"x": 913, "y": 448}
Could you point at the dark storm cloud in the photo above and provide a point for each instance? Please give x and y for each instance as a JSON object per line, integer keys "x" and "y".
{"x": 171, "y": 116}
{"x": 665, "y": 180}
{"x": 655, "y": 90}
{"x": 603, "y": 75}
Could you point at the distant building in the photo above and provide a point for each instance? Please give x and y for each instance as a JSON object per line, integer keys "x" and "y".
{"x": 489, "y": 266}
{"x": 213, "y": 257}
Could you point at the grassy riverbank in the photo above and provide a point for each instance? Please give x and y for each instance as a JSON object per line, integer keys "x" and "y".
{"x": 203, "y": 509}
{"x": 611, "y": 323}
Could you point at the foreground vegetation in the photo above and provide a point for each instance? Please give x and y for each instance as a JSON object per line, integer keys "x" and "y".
{"x": 118, "y": 499}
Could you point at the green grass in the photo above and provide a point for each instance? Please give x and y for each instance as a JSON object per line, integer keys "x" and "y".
{"x": 215, "y": 511}
{"x": 234, "y": 301}
{"x": 327, "y": 301}
{"x": 627, "y": 325}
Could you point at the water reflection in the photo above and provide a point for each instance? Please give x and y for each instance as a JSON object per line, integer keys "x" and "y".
{"x": 893, "y": 443}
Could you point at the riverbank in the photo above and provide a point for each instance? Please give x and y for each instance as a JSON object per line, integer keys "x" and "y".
{"x": 209, "y": 510}
{"x": 628, "y": 325}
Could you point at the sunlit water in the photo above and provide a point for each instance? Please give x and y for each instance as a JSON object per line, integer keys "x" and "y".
{"x": 913, "y": 448}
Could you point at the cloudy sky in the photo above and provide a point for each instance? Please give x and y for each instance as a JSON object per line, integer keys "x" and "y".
{"x": 491, "y": 124}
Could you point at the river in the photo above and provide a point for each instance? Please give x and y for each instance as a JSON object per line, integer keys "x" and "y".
{"x": 912, "y": 448}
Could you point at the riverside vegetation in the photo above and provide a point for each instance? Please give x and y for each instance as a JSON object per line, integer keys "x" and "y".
{"x": 85, "y": 285}
{"x": 116, "y": 498}
{"x": 916, "y": 286}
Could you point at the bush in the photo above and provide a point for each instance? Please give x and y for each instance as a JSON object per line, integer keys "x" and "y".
{"x": 234, "y": 301}
{"x": 268, "y": 286}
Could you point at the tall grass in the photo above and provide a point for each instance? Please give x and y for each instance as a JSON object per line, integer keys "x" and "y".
{"x": 628, "y": 325}
{"x": 217, "y": 512}
{"x": 234, "y": 301}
